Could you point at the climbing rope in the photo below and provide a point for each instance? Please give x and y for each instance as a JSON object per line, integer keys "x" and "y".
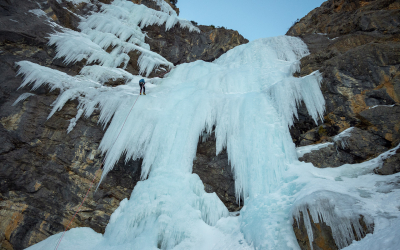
{"x": 95, "y": 174}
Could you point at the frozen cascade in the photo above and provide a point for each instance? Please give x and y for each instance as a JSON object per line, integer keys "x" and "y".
{"x": 249, "y": 95}
{"x": 117, "y": 27}
{"x": 242, "y": 94}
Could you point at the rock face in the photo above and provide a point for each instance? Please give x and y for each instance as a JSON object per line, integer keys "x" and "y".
{"x": 216, "y": 174}
{"x": 360, "y": 146}
{"x": 181, "y": 46}
{"x": 390, "y": 165}
{"x": 355, "y": 45}
{"x": 45, "y": 172}
{"x": 150, "y": 4}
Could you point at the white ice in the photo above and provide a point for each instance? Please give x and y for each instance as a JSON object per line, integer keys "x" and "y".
{"x": 249, "y": 98}
{"x": 108, "y": 36}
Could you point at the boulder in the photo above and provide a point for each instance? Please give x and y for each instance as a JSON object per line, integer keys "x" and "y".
{"x": 360, "y": 146}
{"x": 390, "y": 165}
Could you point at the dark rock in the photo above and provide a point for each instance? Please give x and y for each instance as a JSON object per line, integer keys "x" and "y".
{"x": 355, "y": 46}
{"x": 215, "y": 172}
{"x": 319, "y": 134}
{"x": 383, "y": 121}
{"x": 390, "y": 165}
{"x": 67, "y": 14}
{"x": 359, "y": 147}
{"x": 178, "y": 45}
{"x": 150, "y": 4}
{"x": 343, "y": 17}
{"x": 378, "y": 97}
{"x": 328, "y": 157}
{"x": 17, "y": 24}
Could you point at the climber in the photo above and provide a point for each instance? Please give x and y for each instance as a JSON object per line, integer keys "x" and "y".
{"x": 141, "y": 84}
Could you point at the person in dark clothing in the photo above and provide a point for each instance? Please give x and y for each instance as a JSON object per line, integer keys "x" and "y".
{"x": 141, "y": 84}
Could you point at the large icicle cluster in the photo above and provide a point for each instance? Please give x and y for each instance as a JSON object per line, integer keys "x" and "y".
{"x": 116, "y": 26}
{"x": 239, "y": 94}
{"x": 340, "y": 212}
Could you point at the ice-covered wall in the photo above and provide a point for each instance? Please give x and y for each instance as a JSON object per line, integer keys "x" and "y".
{"x": 241, "y": 94}
{"x": 249, "y": 95}
{"x": 106, "y": 37}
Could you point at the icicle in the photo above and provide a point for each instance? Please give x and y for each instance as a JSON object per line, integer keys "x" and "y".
{"x": 22, "y": 97}
{"x": 74, "y": 120}
{"x": 338, "y": 211}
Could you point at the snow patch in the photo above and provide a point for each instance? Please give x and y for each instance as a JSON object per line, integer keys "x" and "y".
{"x": 301, "y": 151}
{"x": 341, "y": 139}
{"x": 381, "y": 106}
{"x": 38, "y": 12}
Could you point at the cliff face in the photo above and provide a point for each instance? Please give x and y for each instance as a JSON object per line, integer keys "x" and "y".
{"x": 45, "y": 172}
{"x": 355, "y": 44}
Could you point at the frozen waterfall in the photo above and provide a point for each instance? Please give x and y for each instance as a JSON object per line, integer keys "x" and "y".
{"x": 249, "y": 98}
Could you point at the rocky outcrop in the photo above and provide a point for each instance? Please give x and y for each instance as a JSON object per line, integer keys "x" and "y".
{"x": 390, "y": 165}
{"x": 360, "y": 146}
{"x": 150, "y": 4}
{"x": 45, "y": 172}
{"x": 355, "y": 46}
{"x": 216, "y": 173}
{"x": 181, "y": 46}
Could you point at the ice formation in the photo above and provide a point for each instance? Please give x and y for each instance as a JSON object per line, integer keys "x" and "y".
{"x": 249, "y": 98}
{"x": 117, "y": 27}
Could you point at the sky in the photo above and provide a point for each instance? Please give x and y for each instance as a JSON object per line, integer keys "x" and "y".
{"x": 252, "y": 18}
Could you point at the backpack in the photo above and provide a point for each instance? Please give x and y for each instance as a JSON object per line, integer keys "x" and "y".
{"x": 141, "y": 81}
